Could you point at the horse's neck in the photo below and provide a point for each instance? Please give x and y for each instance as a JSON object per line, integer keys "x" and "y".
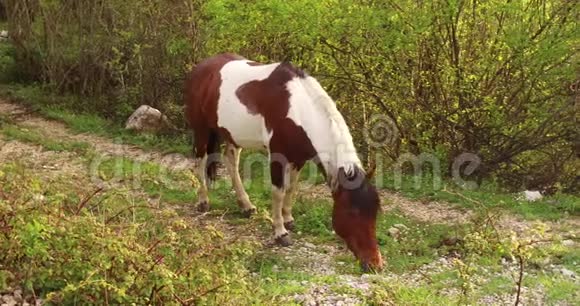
{"x": 330, "y": 134}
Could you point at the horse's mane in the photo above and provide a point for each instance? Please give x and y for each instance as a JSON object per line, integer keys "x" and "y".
{"x": 345, "y": 154}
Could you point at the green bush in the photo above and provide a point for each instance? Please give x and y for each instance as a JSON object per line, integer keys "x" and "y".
{"x": 111, "y": 249}
{"x": 494, "y": 79}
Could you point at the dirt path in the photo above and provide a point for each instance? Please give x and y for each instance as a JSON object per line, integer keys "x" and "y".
{"x": 314, "y": 259}
{"x": 102, "y": 145}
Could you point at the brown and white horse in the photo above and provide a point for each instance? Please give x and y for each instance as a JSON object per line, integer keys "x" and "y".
{"x": 280, "y": 108}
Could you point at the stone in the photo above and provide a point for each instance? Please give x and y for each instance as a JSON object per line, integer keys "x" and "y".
{"x": 568, "y": 242}
{"x": 5, "y": 298}
{"x": 309, "y": 245}
{"x": 18, "y": 295}
{"x": 146, "y": 119}
{"x": 532, "y": 195}
{"x": 9, "y": 300}
{"x": 402, "y": 227}
{"x": 394, "y": 232}
{"x": 568, "y": 273}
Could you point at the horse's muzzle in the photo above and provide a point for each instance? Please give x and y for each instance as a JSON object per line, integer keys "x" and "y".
{"x": 370, "y": 268}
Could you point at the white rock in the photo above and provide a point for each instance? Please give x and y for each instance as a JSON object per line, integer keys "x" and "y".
{"x": 9, "y": 300}
{"x": 532, "y": 195}
{"x": 401, "y": 226}
{"x": 568, "y": 242}
{"x": 18, "y": 295}
{"x": 309, "y": 245}
{"x": 567, "y": 273}
{"x": 394, "y": 232}
{"x": 147, "y": 119}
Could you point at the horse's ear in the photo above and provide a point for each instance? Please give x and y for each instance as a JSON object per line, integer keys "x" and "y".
{"x": 371, "y": 171}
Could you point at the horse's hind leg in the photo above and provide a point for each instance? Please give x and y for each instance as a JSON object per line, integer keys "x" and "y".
{"x": 200, "y": 154}
{"x": 202, "y": 192}
{"x": 289, "y": 198}
{"x": 232, "y": 158}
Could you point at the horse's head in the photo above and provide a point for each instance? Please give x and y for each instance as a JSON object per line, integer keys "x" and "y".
{"x": 356, "y": 205}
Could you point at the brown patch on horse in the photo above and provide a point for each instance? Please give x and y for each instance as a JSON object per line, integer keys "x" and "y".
{"x": 270, "y": 99}
{"x": 225, "y": 134}
{"x": 297, "y": 71}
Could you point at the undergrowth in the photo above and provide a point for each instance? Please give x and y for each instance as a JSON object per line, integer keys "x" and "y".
{"x": 81, "y": 120}
{"x": 111, "y": 247}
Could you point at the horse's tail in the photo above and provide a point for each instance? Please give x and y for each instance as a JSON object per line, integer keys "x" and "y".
{"x": 213, "y": 155}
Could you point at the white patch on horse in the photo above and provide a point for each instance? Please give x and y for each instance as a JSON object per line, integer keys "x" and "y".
{"x": 316, "y": 113}
{"x": 247, "y": 130}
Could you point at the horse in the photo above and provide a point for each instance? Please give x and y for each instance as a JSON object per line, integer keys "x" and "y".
{"x": 279, "y": 108}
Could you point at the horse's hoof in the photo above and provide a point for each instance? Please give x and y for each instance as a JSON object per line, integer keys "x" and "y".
{"x": 203, "y": 207}
{"x": 289, "y": 225}
{"x": 284, "y": 240}
{"x": 247, "y": 213}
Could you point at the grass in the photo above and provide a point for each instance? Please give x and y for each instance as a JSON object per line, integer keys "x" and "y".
{"x": 116, "y": 248}
{"x": 66, "y": 109}
{"x": 558, "y": 288}
{"x": 417, "y": 246}
{"x": 419, "y": 243}
{"x": 398, "y": 294}
{"x": 13, "y": 132}
{"x": 486, "y": 196}
{"x": 497, "y": 286}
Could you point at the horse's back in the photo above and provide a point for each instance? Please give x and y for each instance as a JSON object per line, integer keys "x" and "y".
{"x": 202, "y": 89}
{"x": 238, "y": 113}
{"x": 245, "y": 98}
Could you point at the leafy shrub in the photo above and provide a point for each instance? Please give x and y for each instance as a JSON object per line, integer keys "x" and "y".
{"x": 450, "y": 77}
{"x": 111, "y": 249}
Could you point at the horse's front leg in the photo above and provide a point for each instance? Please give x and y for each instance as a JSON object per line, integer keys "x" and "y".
{"x": 278, "y": 173}
{"x": 294, "y": 174}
